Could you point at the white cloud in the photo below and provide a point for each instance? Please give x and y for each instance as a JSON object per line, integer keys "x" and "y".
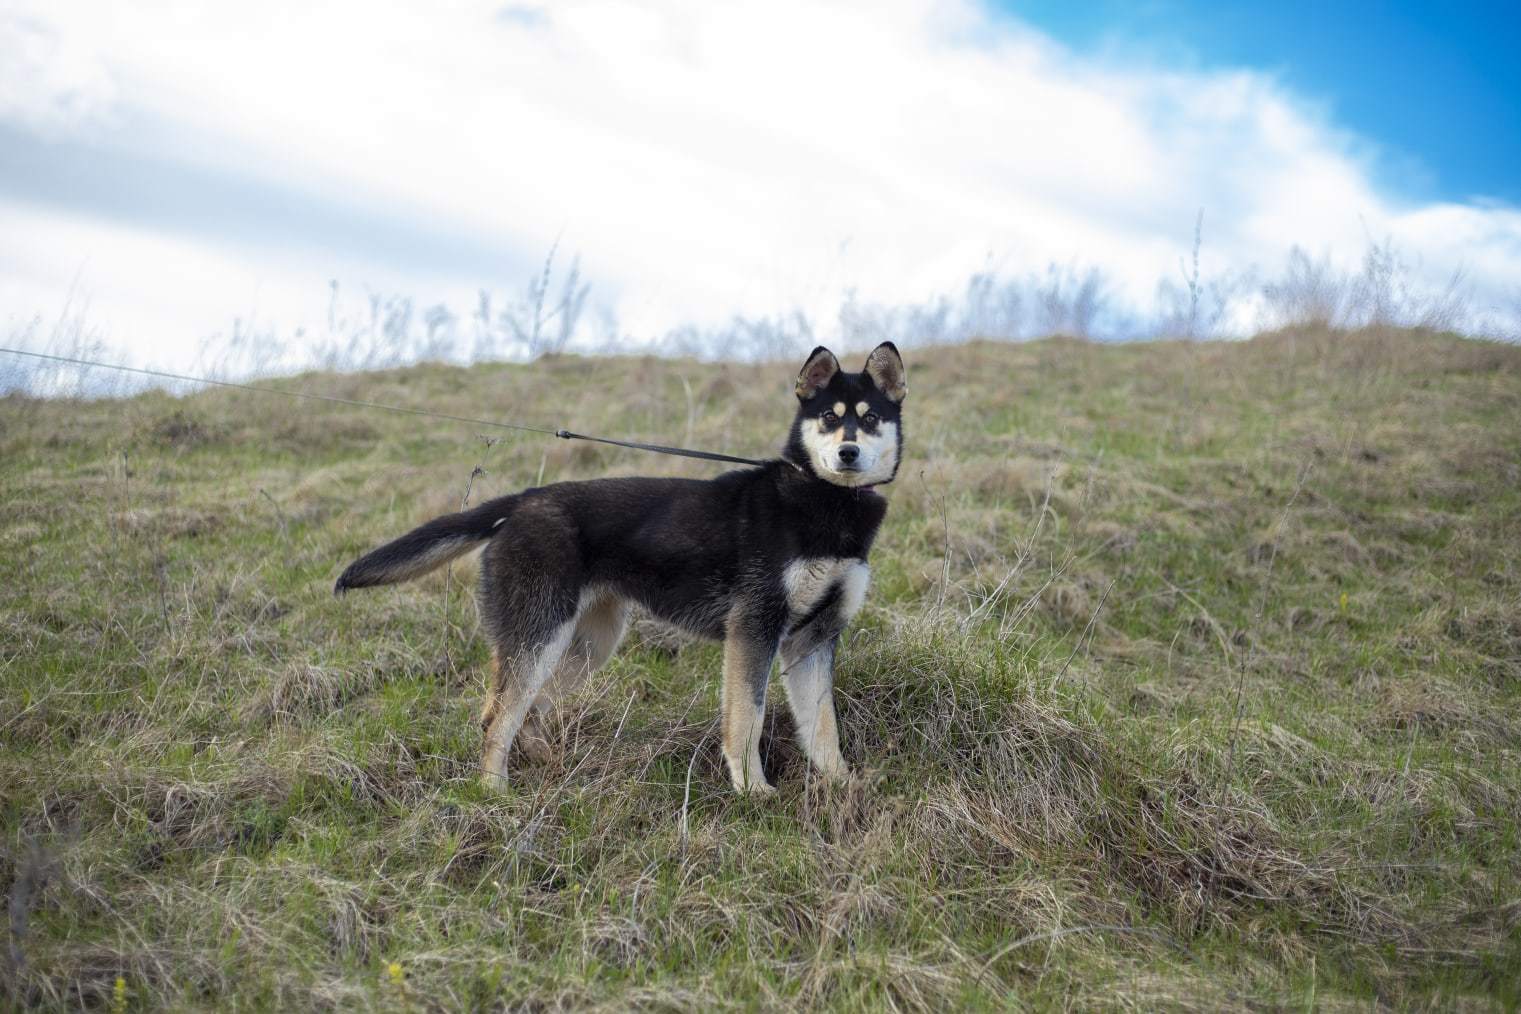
{"x": 705, "y": 159}
{"x": 49, "y": 82}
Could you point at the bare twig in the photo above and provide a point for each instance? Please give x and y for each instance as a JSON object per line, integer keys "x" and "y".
{"x": 945, "y": 563}
{"x": 280, "y": 514}
{"x": 686, "y": 795}
{"x": 1086, "y": 631}
{"x": 1241, "y": 666}
{"x": 464, "y": 501}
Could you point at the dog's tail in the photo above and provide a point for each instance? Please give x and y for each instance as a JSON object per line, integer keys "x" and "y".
{"x": 426, "y": 548}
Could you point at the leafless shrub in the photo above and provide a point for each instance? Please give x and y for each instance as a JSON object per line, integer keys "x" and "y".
{"x": 1309, "y": 293}
{"x": 1196, "y": 305}
{"x": 1199, "y": 309}
{"x": 1384, "y": 292}
{"x": 382, "y": 335}
{"x": 439, "y": 339}
{"x": 387, "y": 331}
{"x": 1063, "y": 299}
{"x": 909, "y": 323}
{"x": 754, "y": 339}
{"x": 382, "y": 331}
{"x": 248, "y": 350}
{"x": 1069, "y": 300}
{"x": 533, "y": 322}
{"x": 70, "y": 336}
{"x": 992, "y": 307}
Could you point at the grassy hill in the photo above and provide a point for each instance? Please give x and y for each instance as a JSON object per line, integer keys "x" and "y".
{"x": 1189, "y": 678}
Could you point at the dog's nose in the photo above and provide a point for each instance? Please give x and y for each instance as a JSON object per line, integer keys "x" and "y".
{"x": 849, "y": 453}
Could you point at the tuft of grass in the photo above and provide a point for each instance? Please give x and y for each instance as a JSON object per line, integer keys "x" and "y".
{"x": 1189, "y": 679}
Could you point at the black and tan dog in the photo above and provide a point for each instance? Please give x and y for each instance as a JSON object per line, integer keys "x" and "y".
{"x": 769, "y": 560}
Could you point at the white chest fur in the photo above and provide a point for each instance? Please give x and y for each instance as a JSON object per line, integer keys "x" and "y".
{"x": 807, "y": 581}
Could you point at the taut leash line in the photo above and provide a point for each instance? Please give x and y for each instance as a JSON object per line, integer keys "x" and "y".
{"x": 661, "y": 448}
{"x": 355, "y": 403}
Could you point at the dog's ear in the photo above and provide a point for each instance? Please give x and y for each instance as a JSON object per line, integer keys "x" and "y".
{"x": 816, "y": 373}
{"x": 885, "y": 368}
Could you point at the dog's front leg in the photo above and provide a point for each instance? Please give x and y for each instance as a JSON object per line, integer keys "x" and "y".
{"x": 749, "y": 647}
{"x": 808, "y": 672}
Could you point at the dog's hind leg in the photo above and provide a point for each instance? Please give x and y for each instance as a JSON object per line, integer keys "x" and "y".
{"x": 808, "y": 673}
{"x": 599, "y": 630}
{"x": 530, "y": 600}
{"x": 749, "y": 648}
{"x": 520, "y": 673}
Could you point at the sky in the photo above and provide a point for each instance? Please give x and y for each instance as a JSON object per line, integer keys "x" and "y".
{"x": 1435, "y": 87}
{"x": 168, "y": 167}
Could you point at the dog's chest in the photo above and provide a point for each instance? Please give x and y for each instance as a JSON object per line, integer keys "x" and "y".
{"x": 809, "y": 581}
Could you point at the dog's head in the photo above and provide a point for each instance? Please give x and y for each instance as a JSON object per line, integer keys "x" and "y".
{"x": 849, "y": 428}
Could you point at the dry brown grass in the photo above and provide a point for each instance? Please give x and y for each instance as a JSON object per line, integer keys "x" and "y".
{"x": 1188, "y": 680}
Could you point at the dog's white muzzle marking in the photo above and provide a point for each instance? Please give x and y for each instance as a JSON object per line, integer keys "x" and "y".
{"x": 876, "y": 459}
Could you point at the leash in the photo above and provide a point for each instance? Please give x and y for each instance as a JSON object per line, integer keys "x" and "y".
{"x": 355, "y": 403}
{"x": 662, "y": 449}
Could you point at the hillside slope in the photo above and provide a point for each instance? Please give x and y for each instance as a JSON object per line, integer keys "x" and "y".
{"x": 1189, "y": 678}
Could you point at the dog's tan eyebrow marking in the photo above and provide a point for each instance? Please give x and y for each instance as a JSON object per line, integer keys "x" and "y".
{"x": 839, "y": 408}
{"x": 862, "y": 408}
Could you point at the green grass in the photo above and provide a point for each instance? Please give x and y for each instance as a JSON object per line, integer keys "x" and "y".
{"x": 1189, "y": 679}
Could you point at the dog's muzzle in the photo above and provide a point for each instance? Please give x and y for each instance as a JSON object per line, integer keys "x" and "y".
{"x": 849, "y": 454}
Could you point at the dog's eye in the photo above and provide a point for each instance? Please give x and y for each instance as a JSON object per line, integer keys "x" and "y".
{"x": 830, "y": 418}
{"x": 871, "y": 418}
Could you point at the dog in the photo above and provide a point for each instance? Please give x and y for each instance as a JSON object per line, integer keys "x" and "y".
{"x": 770, "y": 560}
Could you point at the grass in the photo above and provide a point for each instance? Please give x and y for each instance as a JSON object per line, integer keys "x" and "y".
{"x": 1189, "y": 679}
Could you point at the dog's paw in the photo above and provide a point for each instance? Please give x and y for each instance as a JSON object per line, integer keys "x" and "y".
{"x": 756, "y": 786}
{"x": 533, "y": 743}
{"x": 836, "y": 772}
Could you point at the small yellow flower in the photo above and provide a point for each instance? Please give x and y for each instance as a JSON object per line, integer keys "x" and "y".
{"x": 395, "y": 972}
{"x": 1343, "y": 601}
{"x": 119, "y": 996}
